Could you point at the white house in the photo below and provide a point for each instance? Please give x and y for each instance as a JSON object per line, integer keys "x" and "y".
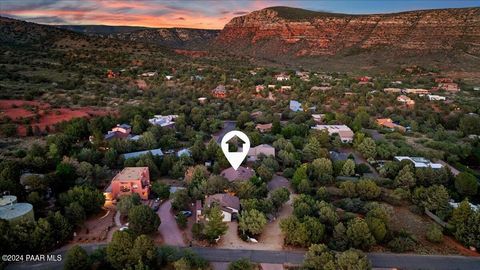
{"x": 343, "y": 131}
{"x": 420, "y": 162}
{"x": 436, "y": 97}
{"x": 163, "y": 121}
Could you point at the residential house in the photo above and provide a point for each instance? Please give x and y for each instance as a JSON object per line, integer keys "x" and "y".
{"x": 14, "y": 212}
{"x": 450, "y": 87}
{"x": 416, "y": 91}
{"x": 184, "y": 152}
{"x": 154, "y": 152}
{"x": 163, "y": 121}
{"x": 404, "y": 99}
{"x": 365, "y": 80}
{"x": 271, "y": 86}
{"x": 338, "y": 156}
{"x": 202, "y": 100}
{"x": 264, "y": 128}
{"x": 256, "y": 114}
{"x": 263, "y": 149}
{"x": 130, "y": 180}
{"x": 219, "y": 91}
{"x": 321, "y": 88}
{"x": 111, "y": 74}
{"x": 148, "y": 74}
{"x": 295, "y": 106}
{"x": 388, "y": 123}
{"x": 284, "y": 88}
{"x": 282, "y": 77}
{"x": 419, "y": 162}
{"x": 122, "y": 131}
{"x": 436, "y": 97}
{"x": 343, "y": 131}
{"x": 392, "y": 90}
{"x": 318, "y": 118}
{"x": 259, "y": 88}
{"x": 443, "y": 80}
{"x": 229, "y": 204}
{"x": 241, "y": 174}
{"x": 168, "y": 77}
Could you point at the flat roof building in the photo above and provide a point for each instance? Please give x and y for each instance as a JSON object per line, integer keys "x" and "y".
{"x": 420, "y": 162}
{"x": 130, "y": 180}
{"x": 15, "y": 212}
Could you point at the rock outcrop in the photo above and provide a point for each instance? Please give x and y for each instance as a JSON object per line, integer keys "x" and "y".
{"x": 280, "y": 31}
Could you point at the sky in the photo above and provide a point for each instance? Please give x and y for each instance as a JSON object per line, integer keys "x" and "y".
{"x": 205, "y": 14}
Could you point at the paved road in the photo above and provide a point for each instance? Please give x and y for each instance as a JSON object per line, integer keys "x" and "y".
{"x": 401, "y": 261}
{"x": 227, "y": 127}
{"x": 172, "y": 235}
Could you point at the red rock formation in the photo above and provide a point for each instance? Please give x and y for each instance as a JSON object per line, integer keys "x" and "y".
{"x": 280, "y": 30}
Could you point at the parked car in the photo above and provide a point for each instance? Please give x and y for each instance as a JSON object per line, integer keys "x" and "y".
{"x": 156, "y": 205}
{"x": 186, "y": 213}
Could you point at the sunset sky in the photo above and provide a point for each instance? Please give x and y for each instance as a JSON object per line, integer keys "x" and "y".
{"x": 207, "y": 14}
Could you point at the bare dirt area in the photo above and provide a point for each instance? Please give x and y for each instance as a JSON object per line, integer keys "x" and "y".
{"x": 418, "y": 225}
{"x": 42, "y": 115}
{"x": 97, "y": 228}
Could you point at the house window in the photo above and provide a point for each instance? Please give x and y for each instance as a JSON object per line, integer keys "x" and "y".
{"x": 135, "y": 186}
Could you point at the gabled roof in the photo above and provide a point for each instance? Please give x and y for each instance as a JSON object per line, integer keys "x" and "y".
{"x": 225, "y": 201}
{"x": 240, "y": 174}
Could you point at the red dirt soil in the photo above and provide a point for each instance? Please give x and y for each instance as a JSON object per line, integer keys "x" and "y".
{"x": 17, "y": 110}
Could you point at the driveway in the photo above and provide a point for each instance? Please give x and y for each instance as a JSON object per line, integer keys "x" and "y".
{"x": 227, "y": 127}
{"x": 171, "y": 234}
{"x": 359, "y": 159}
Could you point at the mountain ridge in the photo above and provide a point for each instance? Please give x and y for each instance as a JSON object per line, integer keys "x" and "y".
{"x": 268, "y": 34}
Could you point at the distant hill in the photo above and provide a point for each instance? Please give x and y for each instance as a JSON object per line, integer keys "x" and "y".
{"x": 179, "y": 38}
{"x": 293, "y": 35}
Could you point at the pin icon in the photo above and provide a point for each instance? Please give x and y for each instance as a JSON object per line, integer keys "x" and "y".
{"x": 235, "y": 158}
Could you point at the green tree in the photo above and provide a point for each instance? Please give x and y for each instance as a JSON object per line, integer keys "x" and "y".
{"x": 143, "y": 220}
{"x": 466, "y": 184}
{"x": 461, "y": 213}
{"x": 319, "y": 257}
{"x": 348, "y": 168}
{"x": 313, "y": 150}
{"x": 181, "y": 200}
{"x": 252, "y": 222}
{"x": 144, "y": 250}
{"x": 75, "y": 213}
{"x": 405, "y": 178}
{"x": 89, "y": 198}
{"x": 242, "y": 119}
{"x": 278, "y": 197}
{"x": 127, "y": 202}
{"x": 299, "y": 175}
{"x": 434, "y": 233}
{"x": 139, "y": 124}
{"x": 265, "y": 173}
{"x": 160, "y": 190}
{"x": 119, "y": 250}
{"x": 367, "y": 189}
{"x": 353, "y": 259}
{"x": 349, "y": 189}
{"x": 76, "y": 259}
{"x": 322, "y": 170}
{"x": 368, "y": 148}
{"x": 214, "y": 226}
{"x": 359, "y": 235}
{"x": 242, "y": 264}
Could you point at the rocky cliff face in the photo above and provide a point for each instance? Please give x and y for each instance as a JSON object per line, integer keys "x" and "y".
{"x": 280, "y": 31}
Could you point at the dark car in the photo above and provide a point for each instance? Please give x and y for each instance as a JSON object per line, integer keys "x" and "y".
{"x": 186, "y": 213}
{"x": 156, "y": 205}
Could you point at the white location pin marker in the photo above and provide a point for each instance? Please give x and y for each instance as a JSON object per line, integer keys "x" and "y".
{"x": 235, "y": 158}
